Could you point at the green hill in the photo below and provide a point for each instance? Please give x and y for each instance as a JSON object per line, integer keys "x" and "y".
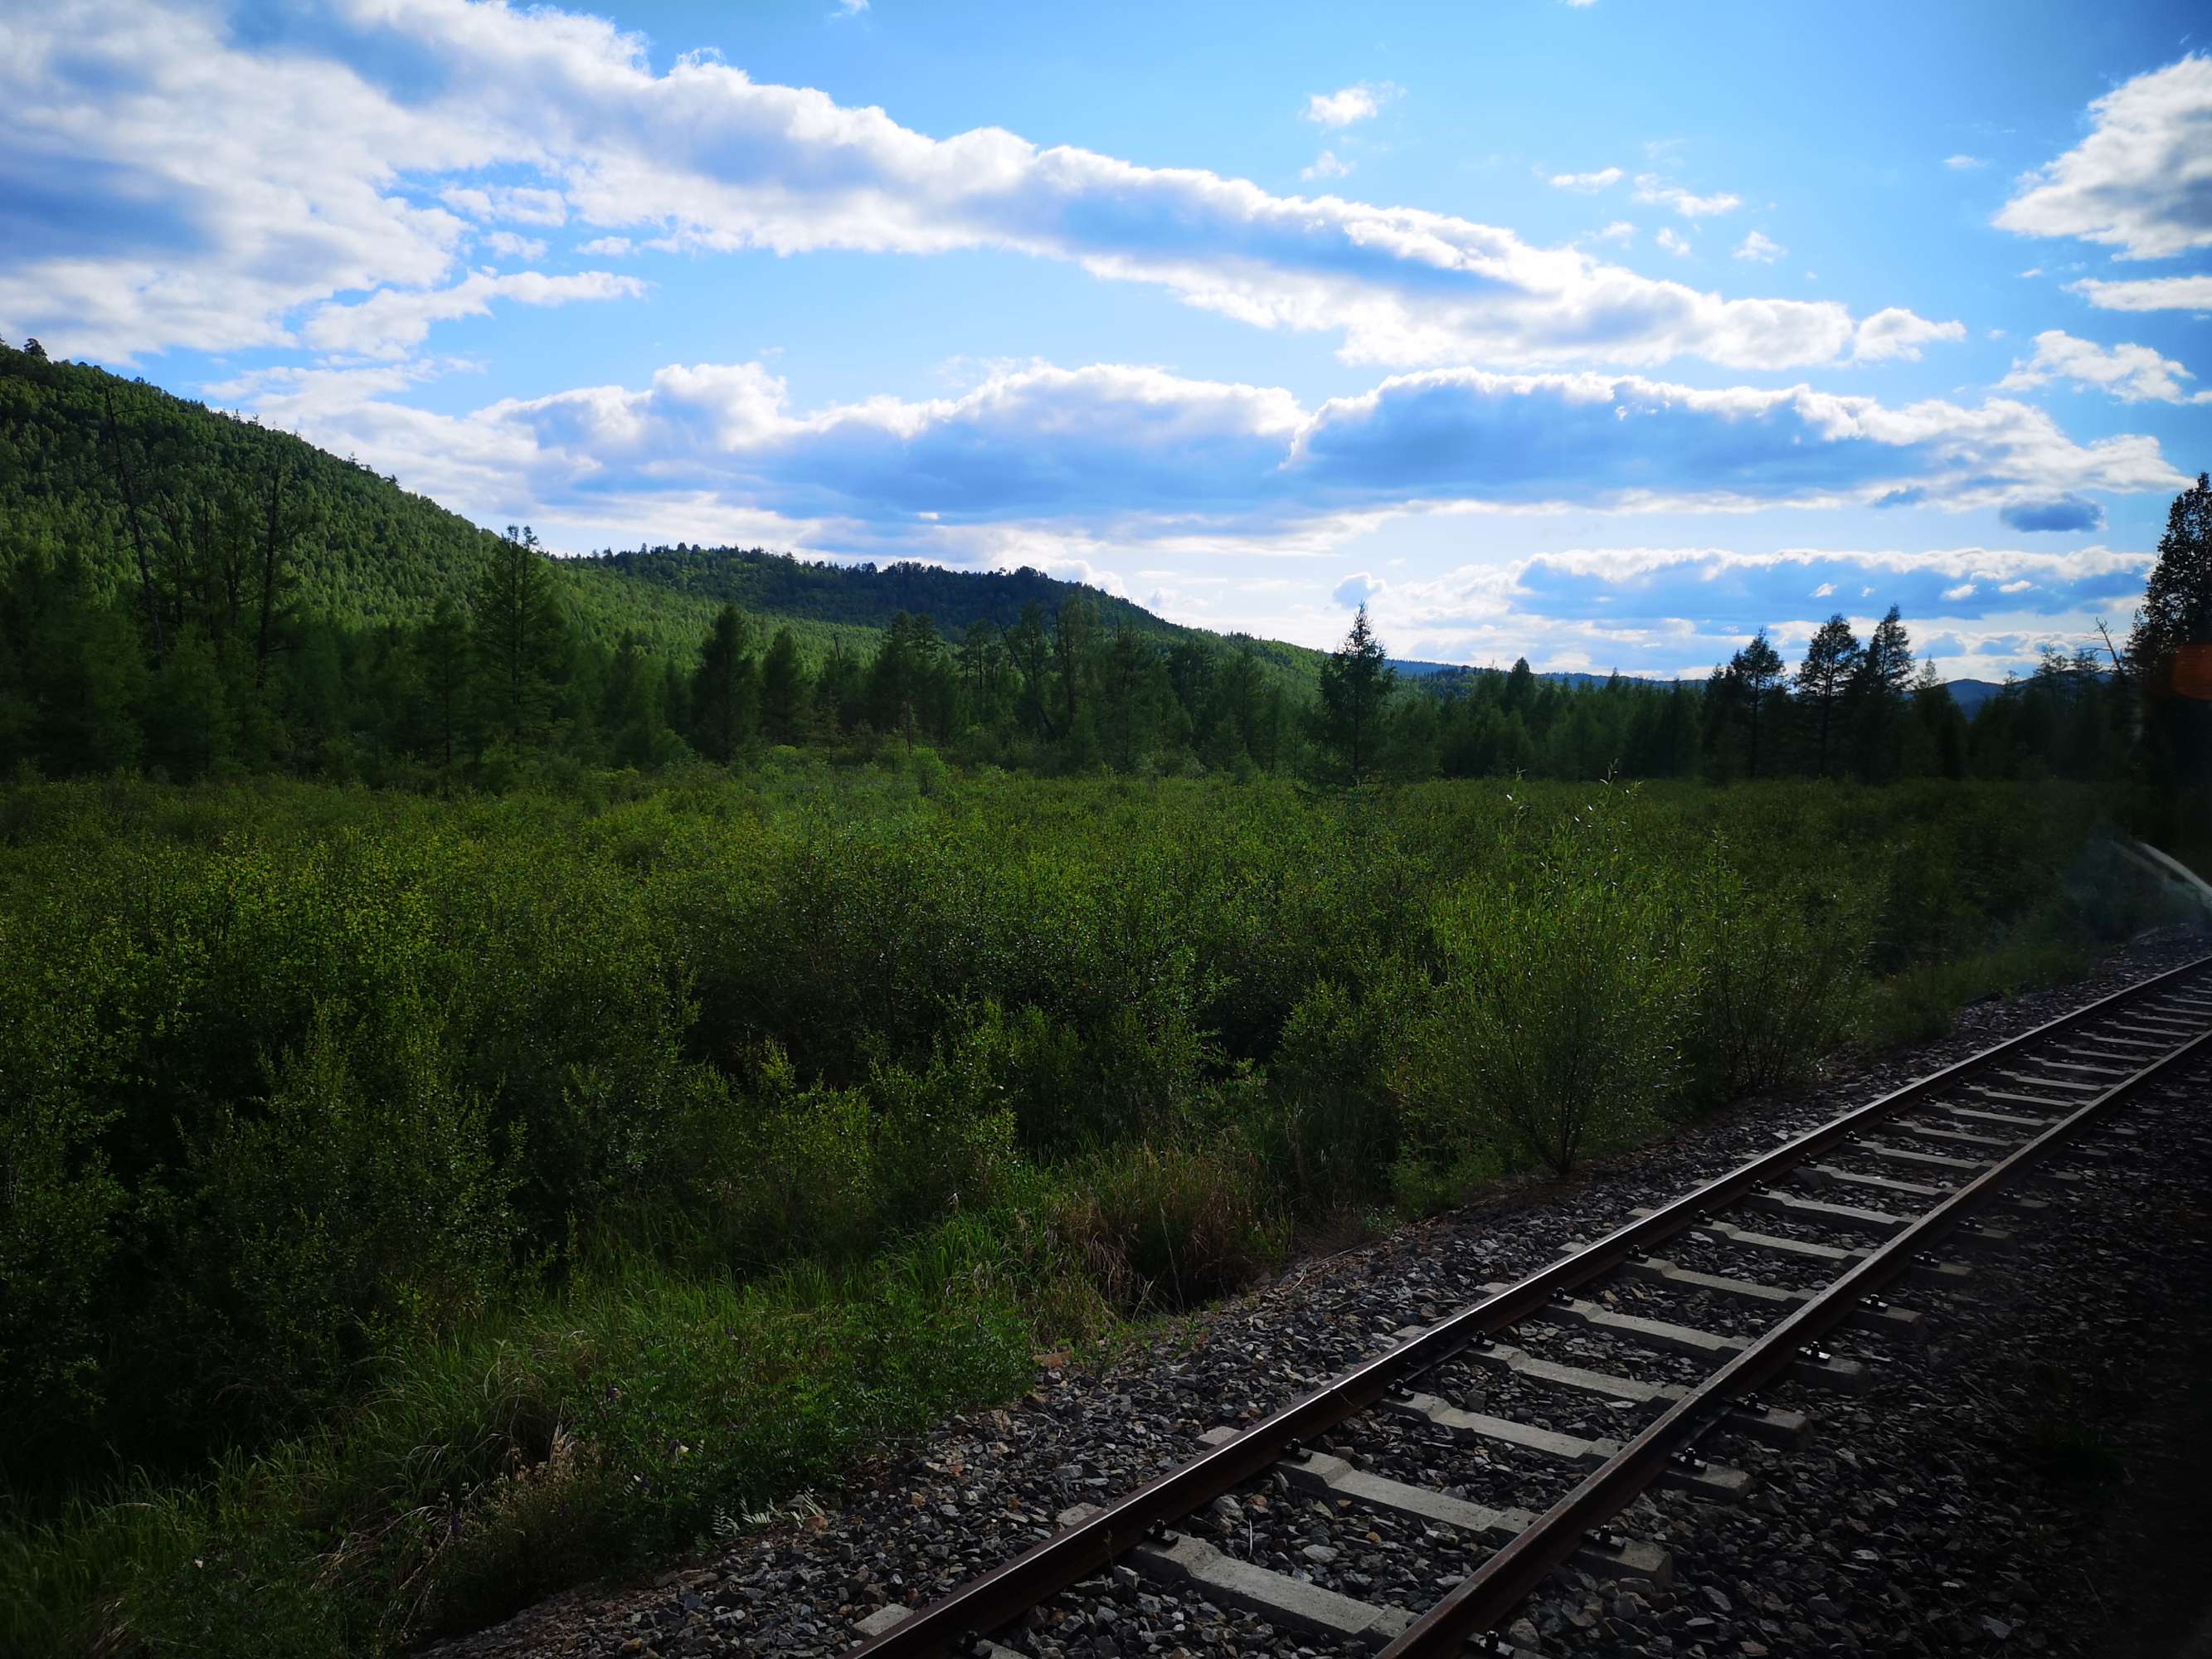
{"x": 375, "y": 553}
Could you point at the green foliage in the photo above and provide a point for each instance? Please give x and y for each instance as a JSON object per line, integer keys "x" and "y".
{"x": 1167, "y": 1227}
{"x": 395, "y": 1183}
{"x": 1568, "y": 979}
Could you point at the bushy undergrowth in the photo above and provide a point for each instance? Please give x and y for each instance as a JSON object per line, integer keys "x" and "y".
{"x": 412, "y": 1205}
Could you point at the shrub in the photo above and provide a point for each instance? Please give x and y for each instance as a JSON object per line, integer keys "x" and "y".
{"x": 1325, "y": 1124}
{"x": 1561, "y": 1016}
{"x": 1775, "y": 973}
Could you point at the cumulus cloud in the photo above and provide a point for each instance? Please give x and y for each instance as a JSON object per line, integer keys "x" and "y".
{"x": 517, "y": 204}
{"x": 1649, "y": 187}
{"x": 1898, "y": 333}
{"x": 1327, "y": 165}
{"x": 508, "y": 245}
{"x": 2132, "y": 373}
{"x": 1137, "y": 454}
{"x": 389, "y": 323}
{"x": 1760, "y": 247}
{"x": 2142, "y": 180}
{"x": 1588, "y": 184}
{"x": 1340, "y": 109}
{"x": 2152, "y": 293}
{"x": 1675, "y": 245}
{"x": 1963, "y": 163}
{"x": 1356, "y": 589}
{"x": 1619, "y": 231}
{"x": 217, "y": 226}
{"x": 2064, "y": 512}
{"x": 607, "y": 247}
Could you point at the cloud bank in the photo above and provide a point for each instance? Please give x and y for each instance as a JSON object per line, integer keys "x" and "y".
{"x": 159, "y": 195}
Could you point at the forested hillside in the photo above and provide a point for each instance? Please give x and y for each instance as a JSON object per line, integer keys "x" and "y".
{"x": 193, "y": 594}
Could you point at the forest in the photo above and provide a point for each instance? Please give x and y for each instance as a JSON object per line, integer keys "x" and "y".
{"x": 190, "y": 595}
{"x": 516, "y": 1065}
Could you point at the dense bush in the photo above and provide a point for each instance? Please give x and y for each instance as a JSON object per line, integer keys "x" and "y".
{"x": 410, "y": 1204}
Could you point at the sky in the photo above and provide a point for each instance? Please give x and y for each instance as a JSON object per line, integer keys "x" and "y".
{"x": 1599, "y": 331}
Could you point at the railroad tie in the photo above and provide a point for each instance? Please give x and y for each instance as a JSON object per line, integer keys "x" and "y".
{"x": 1321, "y": 1474}
{"x": 1845, "y": 1378}
{"x": 1931, "y": 1275}
{"x": 1899, "y": 1323}
{"x": 1182, "y": 1561}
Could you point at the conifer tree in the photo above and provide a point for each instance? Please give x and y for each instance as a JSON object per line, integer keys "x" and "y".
{"x": 2169, "y": 652}
{"x": 1832, "y": 659}
{"x": 783, "y": 689}
{"x": 516, "y": 634}
{"x": 1356, "y": 682}
{"x": 722, "y": 689}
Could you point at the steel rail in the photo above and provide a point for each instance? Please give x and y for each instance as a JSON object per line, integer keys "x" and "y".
{"x": 1048, "y": 1566}
{"x": 1485, "y": 1599}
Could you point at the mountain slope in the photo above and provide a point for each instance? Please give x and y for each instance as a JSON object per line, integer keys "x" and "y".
{"x": 375, "y": 553}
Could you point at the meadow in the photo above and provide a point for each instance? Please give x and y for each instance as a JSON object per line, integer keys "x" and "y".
{"x": 419, "y": 1202}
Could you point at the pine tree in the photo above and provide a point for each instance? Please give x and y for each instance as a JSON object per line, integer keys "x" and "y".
{"x": 2169, "y": 652}
{"x": 1877, "y": 698}
{"x": 1757, "y": 673}
{"x": 722, "y": 690}
{"x": 1356, "y": 682}
{"x": 517, "y": 636}
{"x": 1831, "y": 659}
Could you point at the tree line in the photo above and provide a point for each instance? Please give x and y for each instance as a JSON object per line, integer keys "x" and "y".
{"x": 167, "y": 603}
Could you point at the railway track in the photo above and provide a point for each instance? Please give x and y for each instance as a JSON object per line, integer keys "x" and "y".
{"x": 1836, "y": 1216}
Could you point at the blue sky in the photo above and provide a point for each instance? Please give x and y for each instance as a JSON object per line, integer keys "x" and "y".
{"x": 1604, "y": 332}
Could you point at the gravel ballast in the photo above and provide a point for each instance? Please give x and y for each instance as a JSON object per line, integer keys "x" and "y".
{"x": 2009, "y": 1486}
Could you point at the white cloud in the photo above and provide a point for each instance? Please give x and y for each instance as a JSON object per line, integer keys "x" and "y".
{"x": 508, "y": 245}
{"x": 1619, "y": 231}
{"x": 2132, "y": 373}
{"x": 515, "y": 203}
{"x": 2152, "y": 293}
{"x": 1963, "y": 591}
{"x": 1675, "y": 245}
{"x": 607, "y": 247}
{"x": 1825, "y": 591}
{"x": 1588, "y": 184}
{"x": 851, "y": 8}
{"x": 229, "y": 225}
{"x": 1898, "y": 333}
{"x": 1127, "y": 455}
{"x": 388, "y": 323}
{"x": 2142, "y": 180}
{"x": 1761, "y": 247}
{"x": 1340, "y": 109}
{"x": 1651, "y": 187}
{"x": 2021, "y": 587}
{"x": 1327, "y": 165}
{"x": 1963, "y": 163}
